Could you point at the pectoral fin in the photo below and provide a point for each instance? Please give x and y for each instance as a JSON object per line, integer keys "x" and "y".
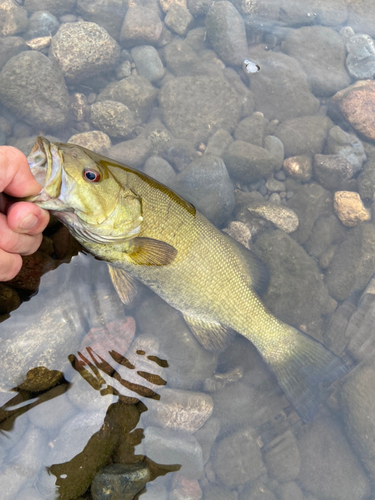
{"x": 150, "y": 252}
{"x": 125, "y": 285}
{"x": 213, "y": 336}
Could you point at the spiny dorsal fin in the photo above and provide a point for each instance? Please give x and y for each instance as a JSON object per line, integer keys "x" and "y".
{"x": 258, "y": 273}
{"x": 213, "y": 336}
{"x": 125, "y": 285}
{"x": 150, "y": 252}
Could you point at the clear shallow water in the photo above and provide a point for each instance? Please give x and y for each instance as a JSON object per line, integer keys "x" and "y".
{"x": 131, "y": 385}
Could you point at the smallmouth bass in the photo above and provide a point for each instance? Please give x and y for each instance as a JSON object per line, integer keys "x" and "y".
{"x": 146, "y": 232}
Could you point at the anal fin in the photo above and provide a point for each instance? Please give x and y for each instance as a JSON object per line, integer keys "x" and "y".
{"x": 211, "y": 335}
{"x": 125, "y": 285}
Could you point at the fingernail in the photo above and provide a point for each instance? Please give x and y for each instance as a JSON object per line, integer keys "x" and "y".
{"x": 29, "y": 222}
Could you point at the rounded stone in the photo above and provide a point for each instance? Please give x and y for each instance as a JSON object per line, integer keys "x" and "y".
{"x": 112, "y": 118}
{"x": 33, "y": 88}
{"x": 109, "y": 14}
{"x": 247, "y": 162}
{"x": 349, "y": 208}
{"x": 42, "y": 24}
{"x": 178, "y": 19}
{"x": 141, "y": 26}
{"x": 148, "y": 62}
{"x": 83, "y": 50}
{"x": 95, "y": 140}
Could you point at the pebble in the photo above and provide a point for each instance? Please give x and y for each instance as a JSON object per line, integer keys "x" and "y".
{"x": 178, "y": 19}
{"x": 94, "y": 139}
{"x": 274, "y": 185}
{"x": 142, "y": 26}
{"x": 178, "y": 410}
{"x": 275, "y": 147}
{"x": 360, "y": 60}
{"x": 123, "y": 70}
{"x": 349, "y": 208}
{"x": 283, "y": 218}
{"x": 332, "y": 170}
{"x": 113, "y": 118}
{"x": 41, "y": 24}
{"x": 13, "y": 18}
{"x": 148, "y": 62}
{"x": 298, "y": 167}
{"x": 117, "y": 481}
{"x": 83, "y": 50}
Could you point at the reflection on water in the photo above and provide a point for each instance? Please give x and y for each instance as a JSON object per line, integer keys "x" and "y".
{"x": 100, "y": 400}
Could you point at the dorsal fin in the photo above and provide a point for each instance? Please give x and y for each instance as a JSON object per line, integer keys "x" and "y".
{"x": 211, "y": 335}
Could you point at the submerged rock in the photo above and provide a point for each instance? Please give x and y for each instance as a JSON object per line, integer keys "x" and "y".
{"x": 347, "y": 145}
{"x": 282, "y": 457}
{"x": 142, "y": 26}
{"x": 109, "y": 14}
{"x": 248, "y": 162}
{"x": 120, "y": 481}
{"x": 95, "y": 140}
{"x": 112, "y": 118}
{"x": 298, "y": 167}
{"x": 332, "y": 170}
{"x": 349, "y": 208}
{"x": 55, "y": 7}
{"x": 360, "y": 60}
{"x": 13, "y": 18}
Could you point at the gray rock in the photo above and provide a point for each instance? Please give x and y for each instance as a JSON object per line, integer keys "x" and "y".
{"x": 366, "y": 181}
{"x": 348, "y": 146}
{"x": 55, "y": 7}
{"x": 206, "y": 436}
{"x": 13, "y": 18}
{"x": 327, "y": 231}
{"x": 160, "y": 170}
{"x": 281, "y": 457}
{"x": 332, "y": 170}
{"x": 83, "y": 50}
{"x": 295, "y": 279}
{"x": 251, "y": 129}
{"x": 329, "y": 469}
{"x": 95, "y": 140}
{"x": 112, "y": 118}
{"x": 226, "y": 32}
{"x": 135, "y": 92}
{"x": 194, "y": 108}
{"x": 142, "y": 26}
{"x": 33, "y": 88}
{"x": 282, "y": 102}
{"x": 281, "y": 217}
{"x": 133, "y": 152}
{"x": 189, "y": 363}
{"x": 303, "y": 136}
{"x": 274, "y": 185}
{"x": 109, "y": 14}
{"x": 178, "y": 19}
{"x": 180, "y": 153}
{"x": 321, "y": 53}
{"x": 275, "y": 147}
{"x": 120, "y": 481}
{"x": 218, "y": 143}
{"x": 238, "y": 459}
{"x": 361, "y": 17}
{"x": 10, "y": 46}
{"x": 180, "y": 58}
{"x": 256, "y": 492}
{"x": 247, "y": 162}
{"x": 41, "y": 24}
{"x": 148, "y": 62}
{"x": 206, "y": 184}
{"x": 124, "y": 70}
{"x": 168, "y": 447}
{"x": 360, "y": 60}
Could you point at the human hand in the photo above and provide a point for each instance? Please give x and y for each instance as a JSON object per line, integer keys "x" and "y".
{"x": 21, "y": 223}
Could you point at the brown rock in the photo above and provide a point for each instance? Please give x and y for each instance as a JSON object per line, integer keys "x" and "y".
{"x": 141, "y": 26}
{"x": 349, "y": 208}
{"x": 298, "y": 167}
{"x": 95, "y": 140}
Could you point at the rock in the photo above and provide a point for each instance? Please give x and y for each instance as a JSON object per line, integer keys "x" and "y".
{"x": 298, "y": 167}
{"x": 353, "y": 263}
{"x": 281, "y": 457}
{"x": 247, "y": 162}
{"x": 83, "y": 50}
{"x": 321, "y": 53}
{"x": 41, "y": 24}
{"x": 199, "y": 7}
{"x": 361, "y": 17}
{"x": 295, "y": 279}
{"x": 178, "y": 410}
{"x": 184, "y": 489}
{"x": 238, "y": 459}
{"x": 274, "y": 186}
{"x": 33, "y": 88}
{"x": 55, "y": 7}
{"x": 328, "y": 467}
{"x": 148, "y": 62}
{"x": 109, "y": 14}
{"x": 112, "y": 118}
{"x": 206, "y": 436}
{"x": 13, "y": 18}
{"x": 53, "y": 409}
{"x": 78, "y": 105}
{"x": 281, "y": 217}
{"x": 304, "y": 136}
{"x": 135, "y": 92}
{"x": 194, "y": 108}
{"x": 132, "y": 153}
{"x": 120, "y": 481}
{"x": 226, "y": 32}
{"x": 158, "y": 135}
{"x": 180, "y": 58}
{"x": 327, "y": 231}
{"x": 178, "y": 19}
{"x": 33, "y": 268}
{"x": 123, "y": 70}
{"x": 180, "y": 153}
{"x": 10, "y": 46}
{"x": 95, "y": 140}
{"x": 168, "y": 447}
{"x": 218, "y": 143}
{"x": 189, "y": 363}
{"x": 160, "y": 170}
{"x": 206, "y": 184}
{"x": 332, "y": 170}
{"x": 290, "y": 491}
{"x": 9, "y": 299}
{"x": 240, "y": 232}
{"x": 251, "y": 129}
{"x": 366, "y": 181}
{"x": 275, "y": 147}
{"x": 309, "y": 202}
{"x": 348, "y": 146}
{"x": 142, "y": 26}
{"x": 357, "y": 105}
{"x": 360, "y": 60}
{"x": 275, "y": 101}
{"x": 165, "y": 5}
{"x": 349, "y": 208}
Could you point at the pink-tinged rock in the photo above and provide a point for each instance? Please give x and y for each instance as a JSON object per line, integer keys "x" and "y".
{"x": 185, "y": 489}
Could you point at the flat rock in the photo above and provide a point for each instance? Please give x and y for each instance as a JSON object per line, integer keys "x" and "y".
{"x": 83, "y": 50}
{"x": 281, "y": 217}
{"x": 33, "y": 88}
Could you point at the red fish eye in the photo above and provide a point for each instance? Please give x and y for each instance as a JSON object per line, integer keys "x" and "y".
{"x": 91, "y": 175}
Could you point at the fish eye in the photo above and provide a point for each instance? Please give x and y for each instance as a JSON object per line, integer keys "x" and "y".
{"x": 91, "y": 175}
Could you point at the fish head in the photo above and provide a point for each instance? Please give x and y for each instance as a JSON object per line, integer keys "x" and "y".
{"x": 81, "y": 191}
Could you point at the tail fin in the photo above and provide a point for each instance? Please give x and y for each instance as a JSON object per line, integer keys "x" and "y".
{"x": 308, "y": 371}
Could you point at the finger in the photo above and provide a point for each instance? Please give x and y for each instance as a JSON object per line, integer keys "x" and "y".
{"x": 12, "y": 242}
{"x": 10, "y": 265}
{"x": 16, "y": 178}
{"x": 24, "y": 217}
